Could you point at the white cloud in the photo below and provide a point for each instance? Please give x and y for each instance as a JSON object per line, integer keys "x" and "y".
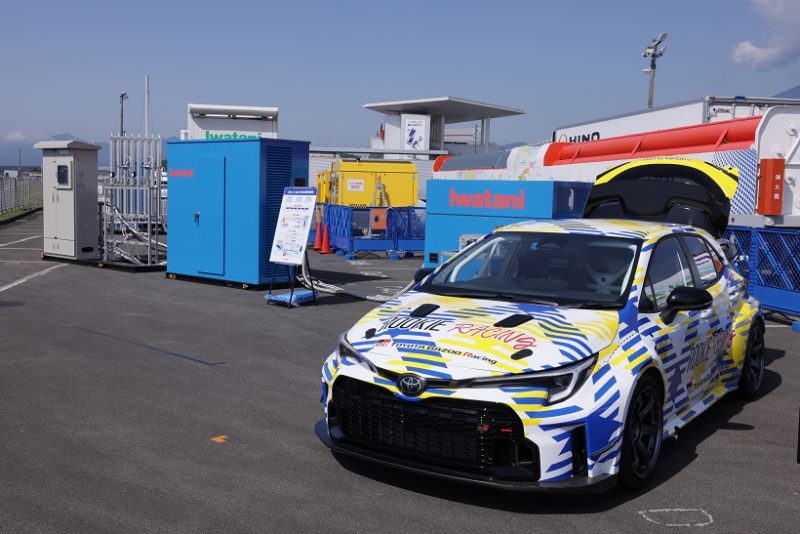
{"x": 782, "y": 18}
{"x": 16, "y": 137}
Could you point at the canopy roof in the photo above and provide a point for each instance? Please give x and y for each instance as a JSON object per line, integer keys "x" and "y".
{"x": 453, "y": 109}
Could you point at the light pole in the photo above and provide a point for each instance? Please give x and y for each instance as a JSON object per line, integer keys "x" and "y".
{"x": 122, "y": 98}
{"x": 653, "y": 52}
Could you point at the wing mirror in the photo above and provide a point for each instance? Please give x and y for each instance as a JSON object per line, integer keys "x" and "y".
{"x": 729, "y": 248}
{"x": 684, "y": 299}
{"x": 422, "y": 273}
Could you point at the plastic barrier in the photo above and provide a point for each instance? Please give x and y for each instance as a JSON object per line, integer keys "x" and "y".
{"x": 406, "y": 227}
{"x": 769, "y": 259}
{"x": 375, "y": 229}
{"x": 352, "y": 230}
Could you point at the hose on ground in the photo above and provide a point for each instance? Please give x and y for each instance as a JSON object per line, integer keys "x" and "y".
{"x": 304, "y": 277}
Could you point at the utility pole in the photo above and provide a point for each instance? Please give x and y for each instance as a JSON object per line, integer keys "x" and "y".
{"x": 653, "y": 52}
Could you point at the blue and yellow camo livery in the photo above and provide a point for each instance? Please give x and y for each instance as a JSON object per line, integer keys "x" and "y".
{"x": 697, "y": 357}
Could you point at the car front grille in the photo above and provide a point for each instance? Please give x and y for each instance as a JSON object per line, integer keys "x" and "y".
{"x": 466, "y": 436}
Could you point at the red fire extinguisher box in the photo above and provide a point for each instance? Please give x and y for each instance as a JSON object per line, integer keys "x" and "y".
{"x": 770, "y": 186}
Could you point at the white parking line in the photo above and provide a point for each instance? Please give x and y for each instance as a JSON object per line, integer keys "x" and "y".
{"x": 30, "y": 277}
{"x": 20, "y": 241}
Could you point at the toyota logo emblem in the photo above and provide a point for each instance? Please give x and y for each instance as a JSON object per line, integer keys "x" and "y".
{"x": 411, "y": 385}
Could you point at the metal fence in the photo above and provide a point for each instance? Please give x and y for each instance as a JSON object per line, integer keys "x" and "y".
{"x": 24, "y": 192}
{"x": 134, "y": 202}
{"x": 769, "y": 259}
{"x": 374, "y": 229}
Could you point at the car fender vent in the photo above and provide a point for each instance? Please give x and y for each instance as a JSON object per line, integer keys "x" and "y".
{"x": 513, "y": 320}
{"x": 424, "y": 310}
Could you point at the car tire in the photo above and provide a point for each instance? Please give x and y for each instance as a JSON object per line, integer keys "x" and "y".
{"x": 753, "y": 366}
{"x": 642, "y": 434}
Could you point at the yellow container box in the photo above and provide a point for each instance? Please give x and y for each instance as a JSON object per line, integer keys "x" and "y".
{"x": 373, "y": 183}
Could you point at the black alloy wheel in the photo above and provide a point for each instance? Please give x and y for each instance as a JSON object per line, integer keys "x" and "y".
{"x": 642, "y": 434}
{"x": 753, "y": 366}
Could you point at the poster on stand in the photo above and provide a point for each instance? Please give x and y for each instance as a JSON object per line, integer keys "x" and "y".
{"x": 294, "y": 224}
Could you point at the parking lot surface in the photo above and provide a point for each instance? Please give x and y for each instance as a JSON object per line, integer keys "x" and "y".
{"x": 134, "y": 403}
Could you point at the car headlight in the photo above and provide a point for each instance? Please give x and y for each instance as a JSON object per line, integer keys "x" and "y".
{"x": 346, "y": 350}
{"x": 561, "y": 383}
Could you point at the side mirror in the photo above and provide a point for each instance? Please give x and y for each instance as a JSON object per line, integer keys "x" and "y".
{"x": 729, "y": 248}
{"x": 683, "y": 299}
{"x": 422, "y": 273}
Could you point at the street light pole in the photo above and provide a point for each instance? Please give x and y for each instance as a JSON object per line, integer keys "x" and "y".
{"x": 653, "y": 52}
{"x": 122, "y": 98}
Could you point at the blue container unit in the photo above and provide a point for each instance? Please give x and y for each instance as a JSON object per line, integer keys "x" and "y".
{"x": 224, "y": 200}
{"x": 460, "y": 207}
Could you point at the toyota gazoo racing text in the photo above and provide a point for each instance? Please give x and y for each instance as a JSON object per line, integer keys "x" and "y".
{"x": 550, "y": 355}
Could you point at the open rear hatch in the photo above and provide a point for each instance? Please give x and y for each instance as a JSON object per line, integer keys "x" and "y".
{"x": 692, "y": 192}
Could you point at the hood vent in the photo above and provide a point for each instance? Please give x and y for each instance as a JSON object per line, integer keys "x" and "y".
{"x": 513, "y": 320}
{"x": 424, "y": 310}
{"x": 524, "y": 353}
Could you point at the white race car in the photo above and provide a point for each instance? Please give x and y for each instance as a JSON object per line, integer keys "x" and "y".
{"x": 555, "y": 355}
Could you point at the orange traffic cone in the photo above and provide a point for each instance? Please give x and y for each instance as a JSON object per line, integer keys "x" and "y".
{"x": 318, "y": 237}
{"x": 326, "y": 242}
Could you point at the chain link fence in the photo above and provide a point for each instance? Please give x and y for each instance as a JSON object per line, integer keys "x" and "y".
{"x": 22, "y": 193}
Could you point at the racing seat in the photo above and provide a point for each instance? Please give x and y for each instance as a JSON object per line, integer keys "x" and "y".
{"x": 607, "y": 270}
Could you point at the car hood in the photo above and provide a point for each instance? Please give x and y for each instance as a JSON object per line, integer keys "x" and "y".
{"x": 457, "y": 338}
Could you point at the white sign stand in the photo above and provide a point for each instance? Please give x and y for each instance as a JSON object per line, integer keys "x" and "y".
{"x": 291, "y": 234}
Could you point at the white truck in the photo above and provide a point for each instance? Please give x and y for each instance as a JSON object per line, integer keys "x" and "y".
{"x": 704, "y": 110}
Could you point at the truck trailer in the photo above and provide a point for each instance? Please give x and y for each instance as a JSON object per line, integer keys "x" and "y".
{"x": 701, "y": 111}
{"x": 763, "y": 149}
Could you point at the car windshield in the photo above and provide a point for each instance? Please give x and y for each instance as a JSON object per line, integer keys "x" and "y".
{"x": 591, "y": 271}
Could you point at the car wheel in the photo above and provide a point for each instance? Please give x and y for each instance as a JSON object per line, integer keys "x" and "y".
{"x": 753, "y": 366}
{"x": 642, "y": 434}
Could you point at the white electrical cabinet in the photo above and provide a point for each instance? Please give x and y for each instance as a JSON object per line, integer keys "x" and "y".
{"x": 69, "y": 198}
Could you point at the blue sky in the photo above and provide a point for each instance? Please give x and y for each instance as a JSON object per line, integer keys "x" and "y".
{"x": 65, "y": 64}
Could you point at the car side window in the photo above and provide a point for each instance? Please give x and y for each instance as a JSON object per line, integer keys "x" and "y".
{"x": 668, "y": 269}
{"x": 708, "y": 265}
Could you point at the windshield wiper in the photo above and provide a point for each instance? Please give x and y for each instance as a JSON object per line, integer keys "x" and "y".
{"x": 596, "y": 305}
{"x": 525, "y": 298}
{"x": 498, "y": 296}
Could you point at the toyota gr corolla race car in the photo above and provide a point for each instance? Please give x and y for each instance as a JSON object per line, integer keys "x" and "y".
{"x": 552, "y": 354}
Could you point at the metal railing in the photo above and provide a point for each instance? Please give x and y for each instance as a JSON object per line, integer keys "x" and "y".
{"x": 20, "y": 193}
{"x": 134, "y": 202}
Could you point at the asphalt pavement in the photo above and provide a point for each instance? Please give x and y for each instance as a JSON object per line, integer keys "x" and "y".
{"x": 134, "y": 403}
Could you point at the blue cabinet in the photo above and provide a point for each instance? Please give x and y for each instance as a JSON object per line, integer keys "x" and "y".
{"x": 223, "y": 202}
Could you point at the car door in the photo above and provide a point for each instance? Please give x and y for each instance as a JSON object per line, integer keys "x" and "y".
{"x": 674, "y": 341}
{"x": 710, "y": 356}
